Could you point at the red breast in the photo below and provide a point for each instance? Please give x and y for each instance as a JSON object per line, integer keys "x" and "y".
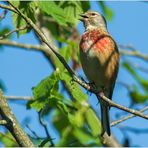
{"x": 95, "y": 39}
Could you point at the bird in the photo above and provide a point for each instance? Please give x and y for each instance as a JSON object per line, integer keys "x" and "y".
{"x": 99, "y": 56}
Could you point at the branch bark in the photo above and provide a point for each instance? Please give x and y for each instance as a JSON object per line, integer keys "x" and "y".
{"x": 12, "y": 124}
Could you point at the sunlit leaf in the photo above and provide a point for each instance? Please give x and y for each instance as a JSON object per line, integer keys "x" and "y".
{"x": 93, "y": 122}
{"x": 85, "y": 138}
{"x": 141, "y": 80}
{"x": 8, "y": 140}
{"x": 106, "y": 10}
{"x": 27, "y": 9}
{"x": 85, "y": 5}
{"x": 138, "y": 97}
{"x": 50, "y": 8}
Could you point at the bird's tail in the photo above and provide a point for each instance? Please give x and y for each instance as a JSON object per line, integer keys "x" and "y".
{"x": 105, "y": 119}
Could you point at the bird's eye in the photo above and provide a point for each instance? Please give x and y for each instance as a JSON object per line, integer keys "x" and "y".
{"x": 93, "y": 14}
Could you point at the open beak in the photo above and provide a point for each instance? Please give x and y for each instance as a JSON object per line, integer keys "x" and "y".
{"x": 83, "y": 17}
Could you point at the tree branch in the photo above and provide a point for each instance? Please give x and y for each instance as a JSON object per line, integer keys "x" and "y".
{"x": 46, "y": 129}
{"x": 132, "y": 111}
{"x": 2, "y": 16}
{"x": 12, "y": 124}
{"x": 127, "y": 117}
{"x": 8, "y": 8}
{"x": 15, "y": 30}
{"x": 132, "y": 52}
{"x": 18, "y": 98}
{"x": 132, "y": 129}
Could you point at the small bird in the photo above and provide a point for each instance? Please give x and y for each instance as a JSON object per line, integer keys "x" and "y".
{"x": 99, "y": 57}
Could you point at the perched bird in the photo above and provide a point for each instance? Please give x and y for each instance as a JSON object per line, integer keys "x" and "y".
{"x": 99, "y": 57}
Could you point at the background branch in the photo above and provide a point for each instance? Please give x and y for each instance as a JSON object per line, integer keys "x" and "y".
{"x": 46, "y": 129}
{"x": 15, "y": 30}
{"x": 134, "y": 53}
{"x": 18, "y": 97}
{"x": 127, "y": 117}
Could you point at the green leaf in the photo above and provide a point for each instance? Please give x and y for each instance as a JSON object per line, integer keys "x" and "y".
{"x": 140, "y": 80}
{"x": 85, "y": 138}
{"x": 50, "y": 8}
{"x": 27, "y": 9}
{"x": 76, "y": 92}
{"x": 85, "y": 5}
{"x": 46, "y": 92}
{"x": 130, "y": 69}
{"x": 72, "y": 10}
{"x": 60, "y": 121}
{"x": 77, "y": 119}
{"x": 138, "y": 97}
{"x": 8, "y": 140}
{"x": 106, "y": 10}
{"x": 93, "y": 122}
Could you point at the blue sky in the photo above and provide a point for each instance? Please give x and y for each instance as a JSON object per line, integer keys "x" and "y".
{"x": 21, "y": 70}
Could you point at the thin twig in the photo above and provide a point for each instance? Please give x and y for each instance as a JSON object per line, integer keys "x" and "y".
{"x": 132, "y": 129}
{"x": 15, "y": 30}
{"x": 135, "y": 54}
{"x": 18, "y": 97}
{"x": 45, "y": 127}
{"x": 8, "y": 8}
{"x": 2, "y": 16}
{"x": 127, "y": 117}
{"x": 24, "y": 46}
{"x": 135, "y": 112}
{"x": 33, "y": 132}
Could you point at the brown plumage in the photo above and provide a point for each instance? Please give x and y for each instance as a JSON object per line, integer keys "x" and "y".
{"x": 100, "y": 59}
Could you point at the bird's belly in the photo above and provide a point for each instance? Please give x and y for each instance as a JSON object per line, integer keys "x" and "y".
{"x": 93, "y": 68}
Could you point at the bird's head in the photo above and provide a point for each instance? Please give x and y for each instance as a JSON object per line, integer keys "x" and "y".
{"x": 93, "y": 20}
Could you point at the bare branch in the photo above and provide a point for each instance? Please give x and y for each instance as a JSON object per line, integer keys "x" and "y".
{"x": 127, "y": 117}
{"x": 24, "y": 46}
{"x": 132, "y": 111}
{"x": 132, "y": 129}
{"x": 8, "y": 8}
{"x": 46, "y": 129}
{"x": 132, "y": 52}
{"x": 15, "y": 30}
{"x": 18, "y": 97}
{"x": 2, "y": 16}
{"x": 12, "y": 124}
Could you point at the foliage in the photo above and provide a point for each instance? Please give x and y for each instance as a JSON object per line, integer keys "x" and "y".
{"x": 8, "y": 140}
{"x": 135, "y": 94}
{"x": 74, "y": 120}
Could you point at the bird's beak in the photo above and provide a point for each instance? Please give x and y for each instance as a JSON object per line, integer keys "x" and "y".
{"x": 83, "y": 17}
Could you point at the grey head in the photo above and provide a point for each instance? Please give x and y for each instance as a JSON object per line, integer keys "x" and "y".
{"x": 92, "y": 20}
